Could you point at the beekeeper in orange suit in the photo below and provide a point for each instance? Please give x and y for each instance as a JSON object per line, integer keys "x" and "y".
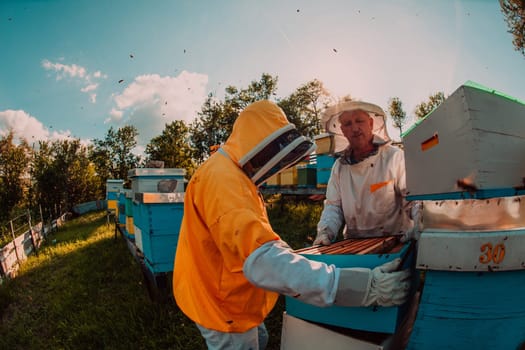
{"x": 230, "y": 265}
{"x": 367, "y": 185}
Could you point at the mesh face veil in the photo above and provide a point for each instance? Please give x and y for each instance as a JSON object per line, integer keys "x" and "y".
{"x": 332, "y": 125}
{"x": 277, "y": 152}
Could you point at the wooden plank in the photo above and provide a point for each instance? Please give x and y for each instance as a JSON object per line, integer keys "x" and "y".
{"x": 376, "y": 245}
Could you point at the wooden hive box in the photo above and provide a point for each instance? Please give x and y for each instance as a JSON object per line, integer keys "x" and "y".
{"x": 273, "y": 181}
{"x": 121, "y": 209}
{"x": 157, "y": 218}
{"x": 354, "y": 253}
{"x": 289, "y": 177}
{"x": 306, "y": 175}
{"x": 113, "y": 186}
{"x": 474, "y": 140}
{"x": 324, "y": 169}
{"x": 145, "y": 180}
{"x": 325, "y": 143}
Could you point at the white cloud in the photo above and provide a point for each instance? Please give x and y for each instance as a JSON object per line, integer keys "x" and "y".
{"x": 90, "y": 87}
{"x": 115, "y": 115}
{"x": 151, "y": 101}
{"x": 64, "y": 70}
{"x": 79, "y": 73}
{"x": 98, "y": 74}
{"x": 28, "y": 127}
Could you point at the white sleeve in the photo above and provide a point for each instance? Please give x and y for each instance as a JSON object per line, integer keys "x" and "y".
{"x": 332, "y": 216}
{"x": 410, "y": 207}
{"x": 274, "y": 266}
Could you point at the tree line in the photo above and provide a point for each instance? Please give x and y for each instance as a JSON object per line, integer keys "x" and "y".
{"x": 56, "y": 175}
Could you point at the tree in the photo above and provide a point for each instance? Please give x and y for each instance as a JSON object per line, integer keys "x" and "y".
{"x": 173, "y": 147}
{"x": 263, "y": 89}
{"x": 72, "y": 158}
{"x": 113, "y": 155}
{"x": 47, "y": 179}
{"x": 211, "y": 128}
{"x": 64, "y": 175}
{"x": 216, "y": 118}
{"x": 514, "y": 13}
{"x": 14, "y": 174}
{"x": 425, "y": 108}
{"x": 303, "y": 107}
{"x": 395, "y": 109}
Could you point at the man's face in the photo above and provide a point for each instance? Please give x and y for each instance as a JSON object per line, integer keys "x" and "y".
{"x": 357, "y": 127}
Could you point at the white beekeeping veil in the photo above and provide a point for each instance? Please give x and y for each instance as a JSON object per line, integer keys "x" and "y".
{"x": 330, "y": 121}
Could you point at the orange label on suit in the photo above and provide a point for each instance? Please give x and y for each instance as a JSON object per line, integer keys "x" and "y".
{"x": 375, "y": 187}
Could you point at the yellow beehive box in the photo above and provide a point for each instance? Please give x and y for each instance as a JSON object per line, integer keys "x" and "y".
{"x": 274, "y": 180}
{"x": 129, "y": 225}
{"x": 289, "y": 177}
{"x": 112, "y": 204}
{"x": 325, "y": 143}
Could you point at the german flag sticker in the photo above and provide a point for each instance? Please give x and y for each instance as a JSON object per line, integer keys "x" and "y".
{"x": 430, "y": 142}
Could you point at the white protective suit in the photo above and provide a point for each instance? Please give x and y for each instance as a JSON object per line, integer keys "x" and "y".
{"x": 366, "y": 197}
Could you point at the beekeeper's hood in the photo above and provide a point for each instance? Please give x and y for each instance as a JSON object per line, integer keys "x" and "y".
{"x": 263, "y": 142}
{"x": 330, "y": 121}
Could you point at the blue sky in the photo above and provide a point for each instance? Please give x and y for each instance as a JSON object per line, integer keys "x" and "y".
{"x": 62, "y": 61}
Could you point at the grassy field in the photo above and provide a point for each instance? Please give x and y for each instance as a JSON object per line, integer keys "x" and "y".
{"x": 84, "y": 290}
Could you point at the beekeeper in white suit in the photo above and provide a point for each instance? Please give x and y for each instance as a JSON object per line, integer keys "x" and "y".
{"x": 365, "y": 194}
{"x": 230, "y": 265}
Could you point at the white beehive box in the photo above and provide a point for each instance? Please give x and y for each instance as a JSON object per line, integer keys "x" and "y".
{"x": 475, "y": 137}
{"x": 298, "y": 334}
{"x": 147, "y": 179}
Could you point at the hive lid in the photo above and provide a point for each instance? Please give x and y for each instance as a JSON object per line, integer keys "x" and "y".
{"x": 156, "y": 197}
{"x": 473, "y": 141}
{"x": 114, "y": 181}
{"x": 156, "y": 172}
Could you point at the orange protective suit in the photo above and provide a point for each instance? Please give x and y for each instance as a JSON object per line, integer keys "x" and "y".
{"x": 224, "y": 221}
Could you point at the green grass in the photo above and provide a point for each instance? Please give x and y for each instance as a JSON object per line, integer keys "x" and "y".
{"x": 84, "y": 290}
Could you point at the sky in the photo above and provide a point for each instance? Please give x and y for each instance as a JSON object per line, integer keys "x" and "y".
{"x": 75, "y": 68}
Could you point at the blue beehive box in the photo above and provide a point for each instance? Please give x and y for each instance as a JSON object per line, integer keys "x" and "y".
{"x": 113, "y": 187}
{"x": 157, "y": 218}
{"x": 472, "y": 253}
{"x": 122, "y": 209}
{"x": 324, "y": 168}
{"x": 130, "y": 227}
{"x": 470, "y": 310}
{"x": 373, "y": 318}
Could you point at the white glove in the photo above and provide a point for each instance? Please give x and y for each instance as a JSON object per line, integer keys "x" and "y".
{"x": 383, "y": 286}
{"x": 417, "y": 217}
{"x": 412, "y": 234}
{"x": 323, "y": 238}
{"x": 389, "y": 287}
